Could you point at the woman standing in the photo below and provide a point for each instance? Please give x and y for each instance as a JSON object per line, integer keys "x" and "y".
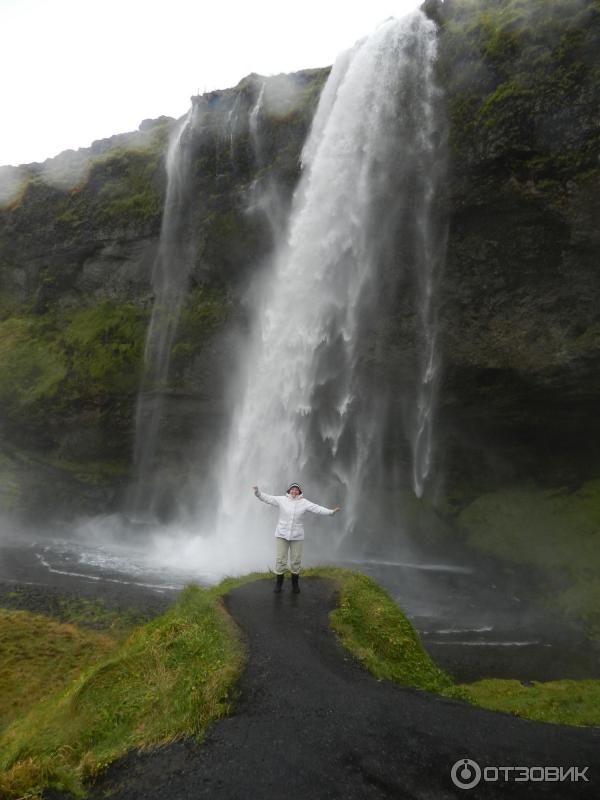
{"x": 289, "y": 533}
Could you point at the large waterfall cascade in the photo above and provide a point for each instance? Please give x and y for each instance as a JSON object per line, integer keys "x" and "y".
{"x": 313, "y": 402}
{"x": 329, "y": 388}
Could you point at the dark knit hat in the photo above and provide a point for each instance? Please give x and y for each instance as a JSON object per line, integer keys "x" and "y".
{"x": 297, "y": 485}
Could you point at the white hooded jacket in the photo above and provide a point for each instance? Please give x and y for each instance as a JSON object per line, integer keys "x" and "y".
{"x": 291, "y": 511}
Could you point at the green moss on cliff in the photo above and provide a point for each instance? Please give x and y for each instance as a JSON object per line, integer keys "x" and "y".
{"x": 32, "y": 365}
{"x": 105, "y": 347}
{"x": 48, "y": 361}
{"x": 556, "y": 530}
{"x": 129, "y": 185}
{"x": 204, "y": 312}
{"x": 522, "y": 81}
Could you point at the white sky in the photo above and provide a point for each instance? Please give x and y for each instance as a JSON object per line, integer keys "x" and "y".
{"x": 78, "y": 70}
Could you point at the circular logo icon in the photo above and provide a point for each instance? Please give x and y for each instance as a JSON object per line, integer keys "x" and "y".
{"x": 465, "y": 773}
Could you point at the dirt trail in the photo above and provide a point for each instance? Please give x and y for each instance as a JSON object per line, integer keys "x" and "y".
{"x": 312, "y": 724}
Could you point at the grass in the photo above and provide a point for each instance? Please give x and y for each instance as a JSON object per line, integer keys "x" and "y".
{"x": 41, "y": 656}
{"x": 167, "y": 680}
{"x": 556, "y": 530}
{"x": 91, "y": 613}
{"x": 566, "y": 702}
{"x": 374, "y": 629}
{"x": 173, "y": 675}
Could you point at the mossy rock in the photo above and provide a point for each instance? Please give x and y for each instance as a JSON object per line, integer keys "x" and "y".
{"x": 553, "y": 530}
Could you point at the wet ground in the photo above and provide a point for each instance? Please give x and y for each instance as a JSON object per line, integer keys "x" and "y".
{"x": 312, "y": 724}
{"x": 474, "y": 621}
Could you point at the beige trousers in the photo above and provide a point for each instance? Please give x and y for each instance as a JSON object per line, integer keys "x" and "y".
{"x": 295, "y": 551}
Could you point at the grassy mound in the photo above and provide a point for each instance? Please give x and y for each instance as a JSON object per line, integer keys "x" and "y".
{"x": 374, "y": 629}
{"x": 168, "y": 679}
{"x": 41, "y": 656}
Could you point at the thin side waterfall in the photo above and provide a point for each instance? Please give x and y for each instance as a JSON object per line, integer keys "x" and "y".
{"x": 253, "y": 123}
{"x": 317, "y": 397}
{"x": 431, "y": 240}
{"x": 170, "y": 283}
{"x": 265, "y": 195}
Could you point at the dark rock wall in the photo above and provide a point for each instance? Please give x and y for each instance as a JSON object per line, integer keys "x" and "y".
{"x": 519, "y": 298}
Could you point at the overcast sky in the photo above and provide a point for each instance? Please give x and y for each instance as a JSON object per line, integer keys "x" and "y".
{"x": 78, "y": 70}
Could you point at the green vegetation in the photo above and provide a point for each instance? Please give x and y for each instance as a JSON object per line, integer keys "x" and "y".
{"x": 125, "y": 183}
{"x": 565, "y": 702}
{"x": 31, "y": 367}
{"x": 557, "y": 530}
{"x": 130, "y": 185}
{"x": 522, "y": 84}
{"x": 169, "y": 678}
{"x": 47, "y": 361}
{"x": 105, "y": 348}
{"x": 78, "y": 611}
{"x": 372, "y": 626}
{"x": 204, "y": 311}
{"x": 41, "y": 656}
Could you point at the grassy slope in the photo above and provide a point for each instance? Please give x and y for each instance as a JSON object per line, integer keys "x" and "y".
{"x": 40, "y": 656}
{"x": 169, "y": 678}
{"x": 178, "y": 672}
{"x": 557, "y": 530}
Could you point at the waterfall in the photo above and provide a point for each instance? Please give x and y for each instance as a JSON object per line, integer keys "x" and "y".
{"x": 265, "y": 194}
{"x": 253, "y": 124}
{"x": 170, "y": 275}
{"x": 430, "y": 252}
{"x": 317, "y": 400}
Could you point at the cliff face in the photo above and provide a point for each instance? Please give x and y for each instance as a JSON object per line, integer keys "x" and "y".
{"x": 519, "y": 298}
{"x": 78, "y": 240}
{"x": 518, "y": 429}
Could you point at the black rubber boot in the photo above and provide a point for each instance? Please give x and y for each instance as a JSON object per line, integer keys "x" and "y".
{"x": 278, "y": 584}
{"x": 295, "y": 584}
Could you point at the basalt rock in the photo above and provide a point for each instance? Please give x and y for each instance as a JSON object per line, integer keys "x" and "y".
{"x": 520, "y": 328}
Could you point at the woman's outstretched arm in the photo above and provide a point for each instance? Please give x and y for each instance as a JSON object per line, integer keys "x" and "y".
{"x": 320, "y": 509}
{"x": 271, "y": 499}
